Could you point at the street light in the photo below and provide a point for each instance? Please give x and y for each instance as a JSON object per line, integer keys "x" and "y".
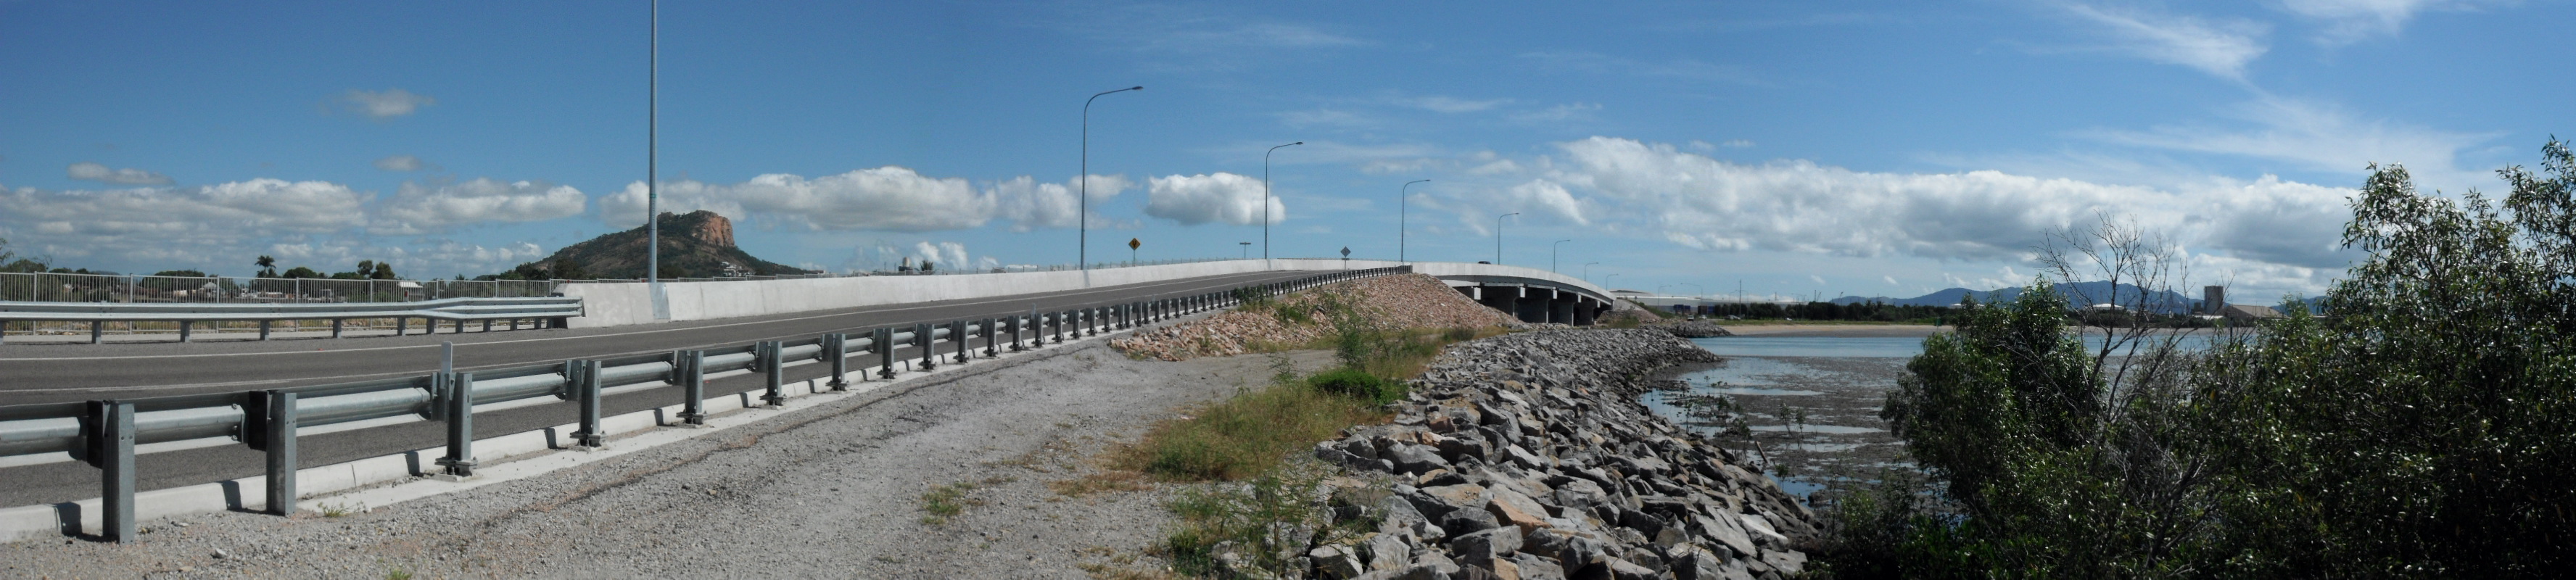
{"x": 1401, "y": 198}
{"x": 1498, "y": 237}
{"x": 1247, "y": 250}
{"x": 652, "y": 161}
{"x": 1587, "y": 271}
{"x": 1551, "y": 256}
{"x": 1265, "y": 200}
{"x": 1605, "y": 279}
{"x": 1082, "y": 207}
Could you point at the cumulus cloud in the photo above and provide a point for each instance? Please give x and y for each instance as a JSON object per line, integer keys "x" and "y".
{"x": 952, "y": 254}
{"x": 187, "y": 226}
{"x": 385, "y": 104}
{"x": 101, "y": 173}
{"x": 403, "y": 163}
{"x": 2279, "y": 229}
{"x": 885, "y": 198}
{"x": 417, "y": 208}
{"x": 2220, "y": 47}
{"x": 1220, "y": 197}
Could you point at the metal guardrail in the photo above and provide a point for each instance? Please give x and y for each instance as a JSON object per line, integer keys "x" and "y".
{"x": 103, "y": 433}
{"x": 544, "y": 311}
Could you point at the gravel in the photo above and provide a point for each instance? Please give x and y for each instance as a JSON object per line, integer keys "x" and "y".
{"x": 831, "y": 491}
{"x": 1399, "y": 301}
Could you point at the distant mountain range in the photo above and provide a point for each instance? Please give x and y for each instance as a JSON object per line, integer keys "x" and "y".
{"x": 2078, "y": 295}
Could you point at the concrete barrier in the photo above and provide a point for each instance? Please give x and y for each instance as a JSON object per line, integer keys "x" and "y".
{"x": 620, "y": 304}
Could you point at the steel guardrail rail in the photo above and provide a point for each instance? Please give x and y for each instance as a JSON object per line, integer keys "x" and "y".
{"x": 550, "y": 310}
{"x": 103, "y": 433}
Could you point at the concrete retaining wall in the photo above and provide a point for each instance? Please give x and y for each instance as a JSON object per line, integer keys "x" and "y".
{"x": 622, "y": 304}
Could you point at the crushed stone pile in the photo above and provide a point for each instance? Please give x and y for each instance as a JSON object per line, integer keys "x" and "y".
{"x": 1399, "y": 301}
{"x": 1527, "y": 456}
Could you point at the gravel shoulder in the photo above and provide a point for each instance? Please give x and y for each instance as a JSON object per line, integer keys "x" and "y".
{"x": 834, "y": 491}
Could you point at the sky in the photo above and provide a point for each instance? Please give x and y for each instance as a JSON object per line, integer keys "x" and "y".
{"x": 1780, "y": 148}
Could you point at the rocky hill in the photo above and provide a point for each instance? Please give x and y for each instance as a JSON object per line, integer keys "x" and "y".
{"x": 697, "y": 244}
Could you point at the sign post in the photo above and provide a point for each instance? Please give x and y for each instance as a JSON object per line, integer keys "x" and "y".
{"x": 1131, "y": 250}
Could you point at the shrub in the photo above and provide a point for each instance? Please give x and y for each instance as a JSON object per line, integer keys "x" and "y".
{"x": 1358, "y": 384}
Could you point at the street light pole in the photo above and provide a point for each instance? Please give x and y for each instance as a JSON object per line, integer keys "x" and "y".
{"x": 1402, "y": 199}
{"x": 1587, "y": 271}
{"x": 652, "y": 169}
{"x": 1605, "y": 279}
{"x": 1551, "y": 256}
{"x": 1498, "y": 237}
{"x": 1247, "y": 250}
{"x": 1082, "y": 206}
{"x": 1265, "y": 201}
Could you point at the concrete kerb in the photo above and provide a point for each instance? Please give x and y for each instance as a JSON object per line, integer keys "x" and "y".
{"x": 390, "y": 479}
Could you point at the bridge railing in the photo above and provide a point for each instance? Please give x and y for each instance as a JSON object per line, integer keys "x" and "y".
{"x": 541, "y": 311}
{"x": 105, "y": 433}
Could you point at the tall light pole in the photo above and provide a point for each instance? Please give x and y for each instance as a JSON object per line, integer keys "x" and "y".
{"x": 1265, "y": 200}
{"x": 1605, "y": 279}
{"x": 1082, "y": 207}
{"x": 1498, "y": 237}
{"x": 652, "y": 170}
{"x": 1587, "y": 271}
{"x": 1247, "y": 250}
{"x": 1551, "y": 256}
{"x": 1402, "y": 199}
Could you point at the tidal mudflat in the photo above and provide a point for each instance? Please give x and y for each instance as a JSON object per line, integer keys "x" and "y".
{"x": 1809, "y": 397}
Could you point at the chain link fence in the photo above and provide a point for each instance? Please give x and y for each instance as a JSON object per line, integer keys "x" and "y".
{"x": 132, "y": 289}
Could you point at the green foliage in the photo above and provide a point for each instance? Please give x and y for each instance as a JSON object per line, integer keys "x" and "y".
{"x": 1271, "y": 515}
{"x": 301, "y": 272}
{"x": 180, "y": 273}
{"x": 1358, "y": 384}
{"x": 1247, "y": 434}
{"x": 2418, "y": 427}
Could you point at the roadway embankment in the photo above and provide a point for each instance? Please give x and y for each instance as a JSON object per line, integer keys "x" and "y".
{"x": 1407, "y": 301}
{"x": 1527, "y": 456}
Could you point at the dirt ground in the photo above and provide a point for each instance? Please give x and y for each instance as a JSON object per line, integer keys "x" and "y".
{"x": 842, "y": 490}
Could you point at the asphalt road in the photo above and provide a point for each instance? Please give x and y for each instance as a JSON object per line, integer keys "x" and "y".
{"x": 51, "y": 373}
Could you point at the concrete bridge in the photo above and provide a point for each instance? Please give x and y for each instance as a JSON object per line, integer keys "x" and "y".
{"x": 1532, "y": 294}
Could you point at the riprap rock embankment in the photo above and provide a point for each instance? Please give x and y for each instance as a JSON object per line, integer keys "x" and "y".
{"x": 1528, "y": 456}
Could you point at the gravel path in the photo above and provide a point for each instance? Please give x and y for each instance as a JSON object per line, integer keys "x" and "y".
{"x": 833, "y": 491}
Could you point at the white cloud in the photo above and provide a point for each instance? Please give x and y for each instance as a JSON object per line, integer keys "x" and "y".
{"x": 385, "y": 104}
{"x": 2280, "y": 229}
{"x": 884, "y": 198}
{"x": 1221, "y": 197}
{"x": 1559, "y": 112}
{"x": 1440, "y": 104}
{"x": 1819, "y": 280}
{"x": 417, "y": 208}
{"x": 101, "y": 174}
{"x": 2218, "y": 47}
{"x": 2320, "y": 136}
{"x": 175, "y": 227}
{"x": 2350, "y": 21}
{"x": 1738, "y": 144}
{"x": 403, "y": 163}
{"x": 1891, "y": 281}
{"x": 952, "y": 254}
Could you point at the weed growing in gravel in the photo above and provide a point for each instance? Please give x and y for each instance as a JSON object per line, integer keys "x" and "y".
{"x": 341, "y": 510}
{"x": 1247, "y": 433}
{"x": 947, "y": 501}
{"x": 397, "y": 574}
{"x": 1106, "y": 481}
{"x": 1247, "y": 517}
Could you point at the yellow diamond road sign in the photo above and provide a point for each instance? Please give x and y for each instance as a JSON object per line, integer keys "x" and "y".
{"x": 1132, "y": 243}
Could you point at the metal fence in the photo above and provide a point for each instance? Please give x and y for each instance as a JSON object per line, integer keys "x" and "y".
{"x": 104, "y": 433}
{"x": 53, "y": 287}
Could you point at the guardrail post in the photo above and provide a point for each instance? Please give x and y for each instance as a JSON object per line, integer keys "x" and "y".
{"x": 771, "y": 367}
{"x": 586, "y": 386}
{"x": 1018, "y": 323}
{"x": 884, "y": 345}
{"x": 280, "y": 443}
{"x": 929, "y": 353}
{"x": 183, "y": 330}
{"x": 335, "y": 327}
{"x": 487, "y": 324}
{"x": 460, "y": 326}
{"x": 992, "y": 348}
{"x": 837, "y": 346}
{"x": 691, "y": 388}
{"x": 957, "y": 332}
{"x": 402, "y": 325}
{"x": 459, "y": 462}
{"x": 112, "y": 450}
{"x": 1091, "y": 321}
{"x": 1056, "y": 320}
{"x": 263, "y": 331}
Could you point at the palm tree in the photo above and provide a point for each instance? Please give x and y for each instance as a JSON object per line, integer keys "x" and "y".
{"x": 267, "y": 267}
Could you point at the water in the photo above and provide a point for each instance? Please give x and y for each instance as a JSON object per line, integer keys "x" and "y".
{"x": 1879, "y": 346}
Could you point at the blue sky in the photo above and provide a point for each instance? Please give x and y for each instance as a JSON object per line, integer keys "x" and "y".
{"x": 1792, "y": 147}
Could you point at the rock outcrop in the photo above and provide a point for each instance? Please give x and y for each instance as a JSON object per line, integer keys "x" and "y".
{"x": 697, "y": 244}
{"x": 1527, "y": 456}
